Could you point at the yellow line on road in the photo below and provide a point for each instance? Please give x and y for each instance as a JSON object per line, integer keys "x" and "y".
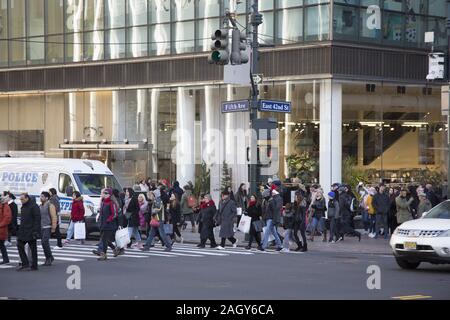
{"x": 414, "y": 297}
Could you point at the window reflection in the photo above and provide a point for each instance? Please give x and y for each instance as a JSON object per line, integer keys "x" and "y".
{"x": 115, "y": 13}
{"x": 74, "y": 15}
{"x": 137, "y": 12}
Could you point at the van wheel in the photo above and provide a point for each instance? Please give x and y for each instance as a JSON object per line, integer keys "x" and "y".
{"x": 404, "y": 264}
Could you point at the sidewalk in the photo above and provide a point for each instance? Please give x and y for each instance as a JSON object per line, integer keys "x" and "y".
{"x": 349, "y": 245}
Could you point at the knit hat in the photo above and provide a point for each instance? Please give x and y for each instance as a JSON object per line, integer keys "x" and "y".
{"x": 266, "y": 193}
{"x": 331, "y": 194}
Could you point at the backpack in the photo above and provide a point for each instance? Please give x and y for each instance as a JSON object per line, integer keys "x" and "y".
{"x": 191, "y": 201}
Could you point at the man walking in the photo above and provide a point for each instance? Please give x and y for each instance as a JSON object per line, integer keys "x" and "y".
{"x": 381, "y": 203}
{"x": 29, "y": 232}
{"x": 272, "y": 215}
{"x": 48, "y": 226}
{"x": 54, "y": 200}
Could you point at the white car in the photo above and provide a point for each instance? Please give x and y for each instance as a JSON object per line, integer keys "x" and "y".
{"x": 424, "y": 240}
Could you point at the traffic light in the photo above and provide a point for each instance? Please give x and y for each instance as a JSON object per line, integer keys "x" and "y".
{"x": 436, "y": 67}
{"x": 220, "y": 47}
{"x": 238, "y": 54}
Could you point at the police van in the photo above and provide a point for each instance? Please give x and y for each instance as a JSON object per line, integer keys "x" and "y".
{"x": 35, "y": 175}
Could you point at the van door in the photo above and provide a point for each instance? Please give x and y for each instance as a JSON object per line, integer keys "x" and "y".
{"x": 65, "y": 198}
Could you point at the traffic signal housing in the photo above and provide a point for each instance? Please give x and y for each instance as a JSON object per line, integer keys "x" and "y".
{"x": 238, "y": 48}
{"x": 220, "y": 47}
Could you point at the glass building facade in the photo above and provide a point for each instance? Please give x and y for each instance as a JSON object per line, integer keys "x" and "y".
{"x": 70, "y": 31}
{"x": 393, "y": 130}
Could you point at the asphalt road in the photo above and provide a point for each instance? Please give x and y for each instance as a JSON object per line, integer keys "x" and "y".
{"x": 190, "y": 273}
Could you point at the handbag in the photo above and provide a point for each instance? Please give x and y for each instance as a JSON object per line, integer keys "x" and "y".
{"x": 154, "y": 223}
{"x": 168, "y": 228}
{"x": 258, "y": 225}
{"x": 122, "y": 237}
{"x": 79, "y": 231}
{"x": 245, "y": 223}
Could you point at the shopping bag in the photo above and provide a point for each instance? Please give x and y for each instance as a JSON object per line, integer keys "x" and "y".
{"x": 239, "y": 211}
{"x": 258, "y": 225}
{"x": 168, "y": 228}
{"x": 80, "y": 231}
{"x": 244, "y": 224}
{"x": 271, "y": 237}
{"x": 122, "y": 237}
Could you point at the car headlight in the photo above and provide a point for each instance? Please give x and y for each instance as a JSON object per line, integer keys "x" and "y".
{"x": 445, "y": 234}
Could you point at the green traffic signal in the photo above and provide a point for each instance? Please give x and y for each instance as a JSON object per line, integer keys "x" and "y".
{"x": 216, "y": 56}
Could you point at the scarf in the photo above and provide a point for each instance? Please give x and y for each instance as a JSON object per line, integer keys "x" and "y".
{"x": 204, "y": 205}
{"x": 252, "y": 203}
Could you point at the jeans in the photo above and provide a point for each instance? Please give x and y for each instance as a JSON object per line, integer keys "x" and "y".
{"x": 70, "y": 230}
{"x": 373, "y": 221}
{"x": 58, "y": 236}
{"x": 4, "y": 252}
{"x": 134, "y": 231}
{"x": 382, "y": 221}
{"x": 317, "y": 223}
{"x": 45, "y": 241}
{"x": 366, "y": 220}
{"x": 271, "y": 230}
{"x": 287, "y": 236}
{"x": 23, "y": 256}
{"x": 152, "y": 234}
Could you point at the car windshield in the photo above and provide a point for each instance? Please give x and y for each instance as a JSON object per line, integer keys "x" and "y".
{"x": 92, "y": 184}
{"x": 441, "y": 211}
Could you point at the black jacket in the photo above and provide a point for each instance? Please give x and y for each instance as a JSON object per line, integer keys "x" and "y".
{"x": 133, "y": 208}
{"x": 345, "y": 201}
{"x": 275, "y": 207}
{"x": 13, "y": 227}
{"x": 299, "y": 214}
{"x": 381, "y": 203}
{"x": 288, "y": 221}
{"x": 319, "y": 208}
{"x": 175, "y": 214}
{"x": 254, "y": 212}
{"x": 30, "y": 222}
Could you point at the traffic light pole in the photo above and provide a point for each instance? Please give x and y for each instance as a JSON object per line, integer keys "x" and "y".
{"x": 255, "y": 21}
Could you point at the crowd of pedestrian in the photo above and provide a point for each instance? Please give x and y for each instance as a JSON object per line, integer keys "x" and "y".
{"x": 157, "y": 212}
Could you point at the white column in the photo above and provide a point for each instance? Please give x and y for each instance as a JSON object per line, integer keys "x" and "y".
{"x": 213, "y": 139}
{"x": 287, "y": 131}
{"x": 330, "y": 133}
{"x": 72, "y": 116}
{"x": 154, "y": 104}
{"x": 93, "y": 115}
{"x": 185, "y": 136}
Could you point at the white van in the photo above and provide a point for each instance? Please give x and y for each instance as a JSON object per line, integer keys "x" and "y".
{"x": 32, "y": 175}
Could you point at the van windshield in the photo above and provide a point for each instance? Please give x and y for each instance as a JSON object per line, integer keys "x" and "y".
{"x": 92, "y": 184}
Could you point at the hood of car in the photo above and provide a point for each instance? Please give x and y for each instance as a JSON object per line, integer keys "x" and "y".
{"x": 427, "y": 224}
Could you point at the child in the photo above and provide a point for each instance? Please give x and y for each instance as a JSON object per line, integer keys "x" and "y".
{"x": 288, "y": 224}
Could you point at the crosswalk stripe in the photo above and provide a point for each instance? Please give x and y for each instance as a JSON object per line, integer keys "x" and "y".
{"x": 56, "y": 258}
{"x": 139, "y": 253}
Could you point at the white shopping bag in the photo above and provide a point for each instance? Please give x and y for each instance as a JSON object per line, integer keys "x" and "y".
{"x": 271, "y": 237}
{"x": 239, "y": 211}
{"x": 80, "y": 231}
{"x": 122, "y": 237}
{"x": 244, "y": 224}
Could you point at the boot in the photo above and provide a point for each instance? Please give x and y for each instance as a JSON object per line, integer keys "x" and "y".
{"x": 324, "y": 236}
{"x": 102, "y": 257}
{"x": 304, "y": 248}
{"x": 116, "y": 252}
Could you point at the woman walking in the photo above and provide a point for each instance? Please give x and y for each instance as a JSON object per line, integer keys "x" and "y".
{"x": 143, "y": 209}
{"x": 131, "y": 211}
{"x": 208, "y": 211}
{"x": 318, "y": 216}
{"x": 241, "y": 201}
{"x": 227, "y": 213}
{"x": 76, "y": 215}
{"x": 300, "y": 206}
{"x": 254, "y": 212}
{"x": 174, "y": 210}
{"x": 108, "y": 212}
{"x": 5, "y": 220}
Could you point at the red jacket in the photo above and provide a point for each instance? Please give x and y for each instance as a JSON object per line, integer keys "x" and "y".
{"x": 5, "y": 220}
{"x": 77, "y": 213}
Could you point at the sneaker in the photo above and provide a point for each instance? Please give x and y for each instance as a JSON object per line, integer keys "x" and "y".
{"x": 168, "y": 249}
{"x": 8, "y": 244}
{"x": 57, "y": 248}
{"x": 4, "y": 262}
{"x": 214, "y": 246}
{"x": 285, "y": 250}
{"x": 201, "y": 246}
{"x": 248, "y": 248}
{"x": 279, "y": 249}
{"x": 235, "y": 244}
{"x": 220, "y": 248}
{"x": 260, "y": 248}
{"x": 340, "y": 239}
{"x": 96, "y": 252}
{"x": 121, "y": 251}
{"x": 102, "y": 257}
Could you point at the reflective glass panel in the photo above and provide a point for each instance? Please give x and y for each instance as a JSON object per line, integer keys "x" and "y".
{"x": 137, "y": 12}
{"x": 115, "y": 44}
{"x": 115, "y": 13}
{"x": 55, "y": 16}
{"x": 137, "y": 42}
{"x": 35, "y": 17}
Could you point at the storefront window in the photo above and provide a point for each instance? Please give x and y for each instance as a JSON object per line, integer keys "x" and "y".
{"x": 138, "y": 42}
{"x": 137, "y": 12}
{"x": 55, "y": 16}
{"x": 184, "y": 37}
{"x": 35, "y": 17}
{"x": 345, "y": 23}
{"x": 160, "y": 11}
{"x": 184, "y": 9}
{"x": 93, "y": 15}
{"x": 393, "y": 27}
{"x": 74, "y": 15}
{"x": 74, "y": 47}
{"x": 115, "y": 14}
{"x": 317, "y": 23}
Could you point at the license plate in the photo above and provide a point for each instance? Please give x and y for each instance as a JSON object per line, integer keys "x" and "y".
{"x": 410, "y": 245}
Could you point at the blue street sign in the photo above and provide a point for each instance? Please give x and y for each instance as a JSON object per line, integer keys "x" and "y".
{"x": 235, "y": 106}
{"x": 275, "y": 106}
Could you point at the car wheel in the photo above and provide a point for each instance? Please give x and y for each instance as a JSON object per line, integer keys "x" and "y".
{"x": 404, "y": 264}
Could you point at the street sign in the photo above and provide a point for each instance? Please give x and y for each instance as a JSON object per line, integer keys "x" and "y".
{"x": 275, "y": 106}
{"x": 258, "y": 78}
{"x": 235, "y": 106}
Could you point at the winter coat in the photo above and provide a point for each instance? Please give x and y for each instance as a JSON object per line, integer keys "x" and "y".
{"x": 227, "y": 213}
{"x": 185, "y": 209}
{"x": 207, "y": 213}
{"x": 108, "y": 210}
{"x": 54, "y": 200}
{"x": 144, "y": 215}
{"x": 334, "y": 209}
{"x": 369, "y": 205}
{"x": 381, "y": 203}
{"x": 176, "y": 190}
{"x": 77, "y": 213}
{"x": 254, "y": 212}
{"x": 30, "y": 222}
{"x": 319, "y": 208}
{"x": 241, "y": 200}
{"x": 403, "y": 209}
{"x": 299, "y": 214}
{"x": 265, "y": 213}
{"x": 133, "y": 209}
{"x": 423, "y": 207}
{"x": 432, "y": 197}
{"x": 275, "y": 207}
{"x": 5, "y": 220}
{"x": 13, "y": 227}
{"x": 175, "y": 214}
{"x": 288, "y": 220}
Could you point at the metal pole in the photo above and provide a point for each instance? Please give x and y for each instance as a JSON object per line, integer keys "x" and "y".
{"x": 448, "y": 116}
{"x": 254, "y": 172}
